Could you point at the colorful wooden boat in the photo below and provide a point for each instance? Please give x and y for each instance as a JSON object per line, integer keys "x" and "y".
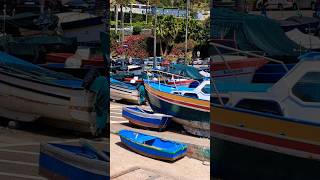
{"x": 122, "y": 91}
{"x": 29, "y": 92}
{"x": 189, "y": 107}
{"x": 145, "y": 118}
{"x": 59, "y": 161}
{"x": 234, "y": 68}
{"x": 152, "y": 146}
{"x": 96, "y": 60}
{"x": 271, "y": 134}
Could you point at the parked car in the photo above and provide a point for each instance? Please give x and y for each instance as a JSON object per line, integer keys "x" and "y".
{"x": 276, "y": 4}
{"x": 304, "y": 4}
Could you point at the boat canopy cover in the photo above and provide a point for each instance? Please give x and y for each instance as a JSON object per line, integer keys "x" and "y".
{"x": 307, "y": 41}
{"x": 252, "y": 32}
{"x": 185, "y": 70}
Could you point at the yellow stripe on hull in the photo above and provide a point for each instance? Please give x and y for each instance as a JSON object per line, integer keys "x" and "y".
{"x": 177, "y": 98}
{"x": 267, "y": 125}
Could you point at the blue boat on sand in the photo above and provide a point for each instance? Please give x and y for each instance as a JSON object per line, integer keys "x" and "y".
{"x": 144, "y": 118}
{"x": 152, "y": 146}
{"x": 60, "y": 161}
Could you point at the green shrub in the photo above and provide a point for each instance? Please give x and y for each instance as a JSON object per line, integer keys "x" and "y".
{"x": 136, "y": 30}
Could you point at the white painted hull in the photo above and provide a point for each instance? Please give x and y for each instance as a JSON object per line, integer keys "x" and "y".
{"x": 25, "y": 100}
{"x": 117, "y": 93}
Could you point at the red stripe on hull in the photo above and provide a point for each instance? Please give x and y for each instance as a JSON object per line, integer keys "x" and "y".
{"x": 62, "y": 57}
{"x": 239, "y": 64}
{"x": 266, "y": 139}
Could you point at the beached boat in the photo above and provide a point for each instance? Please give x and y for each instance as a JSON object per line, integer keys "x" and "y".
{"x": 144, "y": 118}
{"x": 59, "y": 161}
{"x": 152, "y": 146}
{"x": 123, "y": 91}
{"x": 29, "y": 92}
{"x": 188, "y": 106}
{"x": 83, "y": 54}
{"x": 275, "y": 129}
{"x": 235, "y": 68}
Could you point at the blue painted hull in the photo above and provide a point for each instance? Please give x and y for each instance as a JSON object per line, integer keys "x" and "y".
{"x": 71, "y": 162}
{"x": 145, "y": 119}
{"x": 160, "y": 149}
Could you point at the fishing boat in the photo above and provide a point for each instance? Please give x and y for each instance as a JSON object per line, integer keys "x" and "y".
{"x": 235, "y": 67}
{"x": 144, "y": 118}
{"x": 152, "y": 146}
{"x": 84, "y": 54}
{"x": 122, "y": 91}
{"x": 29, "y": 92}
{"x": 272, "y": 133}
{"x": 73, "y": 162}
{"x": 189, "y": 107}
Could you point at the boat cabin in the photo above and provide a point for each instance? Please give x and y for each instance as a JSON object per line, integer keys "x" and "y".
{"x": 202, "y": 91}
{"x": 296, "y": 95}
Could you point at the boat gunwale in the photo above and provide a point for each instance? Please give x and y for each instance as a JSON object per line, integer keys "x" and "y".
{"x": 39, "y": 81}
{"x": 150, "y": 115}
{"x": 58, "y": 153}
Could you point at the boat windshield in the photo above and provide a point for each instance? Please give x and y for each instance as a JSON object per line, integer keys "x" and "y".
{"x": 308, "y": 87}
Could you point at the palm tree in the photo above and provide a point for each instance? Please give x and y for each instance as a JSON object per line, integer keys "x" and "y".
{"x": 167, "y": 31}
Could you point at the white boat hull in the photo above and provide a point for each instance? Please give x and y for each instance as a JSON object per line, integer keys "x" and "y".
{"x": 117, "y": 93}
{"x": 25, "y": 100}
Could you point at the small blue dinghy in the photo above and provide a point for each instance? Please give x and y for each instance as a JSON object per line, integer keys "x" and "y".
{"x": 144, "y": 118}
{"x": 73, "y": 162}
{"x": 152, "y": 146}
